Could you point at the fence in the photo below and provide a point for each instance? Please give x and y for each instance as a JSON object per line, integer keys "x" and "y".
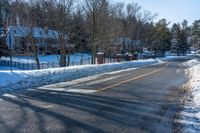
{"x": 46, "y": 65}
{"x": 43, "y": 65}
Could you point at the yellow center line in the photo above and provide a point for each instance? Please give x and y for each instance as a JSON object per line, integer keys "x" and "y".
{"x": 132, "y": 79}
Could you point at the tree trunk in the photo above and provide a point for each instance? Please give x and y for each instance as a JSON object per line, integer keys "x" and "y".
{"x": 35, "y": 50}
{"x": 155, "y": 53}
{"x": 37, "y": 59}
{"x": 62, "y": 53}
{"x": 93, "y": 35}
{"x": 68, "y": 57}
{"x": 178, "y": 53}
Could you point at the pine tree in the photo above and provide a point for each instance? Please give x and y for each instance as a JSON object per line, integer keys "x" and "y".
{"x": 179, "y": 43}
{"x": 196, "y": 34}
{"x": 162, "y": 38}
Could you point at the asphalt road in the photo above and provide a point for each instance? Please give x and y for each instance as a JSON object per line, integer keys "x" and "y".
{"x": 143, "y": 100}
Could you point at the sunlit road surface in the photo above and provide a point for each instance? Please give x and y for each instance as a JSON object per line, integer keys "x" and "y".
{"x": 142, "y": 100}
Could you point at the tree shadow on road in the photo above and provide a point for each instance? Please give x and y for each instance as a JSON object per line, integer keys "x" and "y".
{"x": 59, "y": 111}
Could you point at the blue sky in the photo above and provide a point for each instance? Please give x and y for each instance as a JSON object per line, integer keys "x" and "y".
{"x": 173, "y": 10}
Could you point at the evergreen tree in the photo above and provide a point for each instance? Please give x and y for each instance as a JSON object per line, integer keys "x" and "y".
{"x": 162, "y": 38}
{"x": 195, "y": 31}
{"x": 180, "y": 34}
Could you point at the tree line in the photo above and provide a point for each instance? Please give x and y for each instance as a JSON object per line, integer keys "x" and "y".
{"x": 94, "y": 25}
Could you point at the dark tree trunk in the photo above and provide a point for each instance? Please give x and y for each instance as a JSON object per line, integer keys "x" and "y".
{"x": 35, "y": 50}
{"x": 68, "y": 56}
{"x": 62, "y": 53}
{"x": 37, "y": 59}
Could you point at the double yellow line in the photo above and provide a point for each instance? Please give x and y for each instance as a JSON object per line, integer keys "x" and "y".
{"x": 132, "y": 79}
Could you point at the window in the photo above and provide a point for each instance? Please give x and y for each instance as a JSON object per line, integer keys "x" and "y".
{"x": 37, "y": 41}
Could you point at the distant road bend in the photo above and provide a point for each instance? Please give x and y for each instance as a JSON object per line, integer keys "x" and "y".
{"x": 142, "y": 100}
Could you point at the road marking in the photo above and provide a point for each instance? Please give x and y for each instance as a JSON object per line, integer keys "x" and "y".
{"x": 9, "y": 95}
{"x": 83, "y": 91}
{"x": 132, "y": 79}
{"x": 97, "y": 81}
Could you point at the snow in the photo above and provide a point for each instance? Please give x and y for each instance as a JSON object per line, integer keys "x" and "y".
{"x": 83, "y": 91}
{"x": 46, "y": 61}
{"x": 16, "y": 59}
{"x": 9, "y": 95}
{"x": 29, "y": 79}
{"x": 171, "y": 57}
{"x": 52, "y": 61}
{"x": 7, "y": 68}
{"x": 73, "y": 58}
{"x": 47, "y": 58}
{"x": 100, "y": 53}
{"x": 190, "y": 114}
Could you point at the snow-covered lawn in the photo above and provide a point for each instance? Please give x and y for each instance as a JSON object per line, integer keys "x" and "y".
{"x": 76, "y": 58}
{"x": 27, "y": 79}
{"x": 55, "y": 58}
{"x": 189, "y": 117}
{"x": 5, "y": 68}
{"x": 46, "y": 61}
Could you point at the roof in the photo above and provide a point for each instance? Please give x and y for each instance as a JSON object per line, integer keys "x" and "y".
{"x": 37, "y": 32}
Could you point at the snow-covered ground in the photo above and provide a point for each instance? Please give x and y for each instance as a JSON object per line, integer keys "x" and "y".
{"x": 46, "y": 61}
{"x": 189, "y": 117}
{"x": 25, "y": 79}
{"x": 52, "y": 61}
{"x": 55, "y": 58}
{"x": 5, "y": 68}
{"x": 48, "y": 58}
{"x": 172, "y": 57}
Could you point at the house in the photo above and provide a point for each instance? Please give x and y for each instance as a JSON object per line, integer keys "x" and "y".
{"x": 124, "y": 45}
{"x": 21, "y": 40}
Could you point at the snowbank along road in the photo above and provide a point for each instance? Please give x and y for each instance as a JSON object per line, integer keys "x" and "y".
{"x": 142, "y": 100}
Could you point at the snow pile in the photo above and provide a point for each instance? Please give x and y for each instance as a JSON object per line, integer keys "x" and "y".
{"x": 190, "y": 114}
{"x": 191, "y": 63}
{"x": 35, "y": 78}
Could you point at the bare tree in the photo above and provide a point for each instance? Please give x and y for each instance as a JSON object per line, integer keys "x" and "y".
{"x": 57, "y": 15}
{"x": 4, "y": 23}
{"x": 99, "y": 12}
{"x": 26, "y": 12}
{"x": 62, "y": 18}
